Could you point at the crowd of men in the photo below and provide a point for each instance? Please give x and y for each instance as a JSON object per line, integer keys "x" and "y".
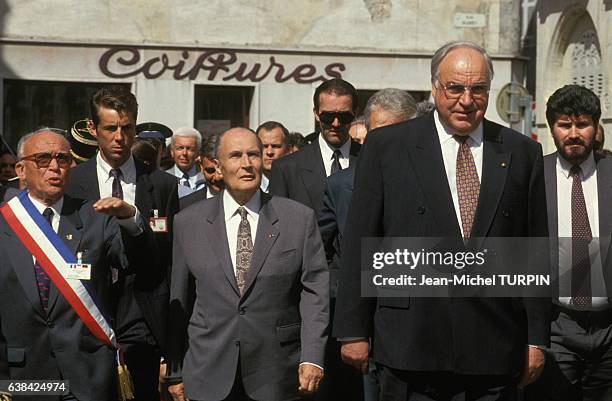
{"x": 228, "y": 267}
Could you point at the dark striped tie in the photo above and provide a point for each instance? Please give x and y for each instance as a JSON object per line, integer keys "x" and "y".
{"x": 43, "y": 281}
{"x": 117, "y": 189}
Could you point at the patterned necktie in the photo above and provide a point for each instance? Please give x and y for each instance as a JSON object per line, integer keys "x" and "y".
{"x": 468, "y": 186}
{"x": 244, "y": 250}
{"x": 336, "y": 166}
{"x": 117, "y": 189}
{"x": 185, "y": 180}
{"x": 581, "y": 237}
{"x": 42, "y": 280}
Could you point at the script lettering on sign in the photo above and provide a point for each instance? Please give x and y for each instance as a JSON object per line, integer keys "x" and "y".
{"x": 124, "y": 62}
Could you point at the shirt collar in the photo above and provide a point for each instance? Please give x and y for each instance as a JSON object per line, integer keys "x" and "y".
{"x": 327, "y": 151}
{"x": 445, "y": 133}
{"x": 230, "y": 206}
{"x": 57, "y": 206}
{"x": 128, "y": 169}
{"x": 588, "y": 166}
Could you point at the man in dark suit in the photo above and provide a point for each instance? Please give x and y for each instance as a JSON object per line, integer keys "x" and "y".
{"x": 142, "y": 298}
{"x": 385, "y": 107}
{"x": 414, "y": 180}
{"x": 579, "y": 195}
{"x": 301, "y": 176}
{"x": 209, "y": 168}
{"x": 41, "y": 335}
{"x": 258, "y": 327}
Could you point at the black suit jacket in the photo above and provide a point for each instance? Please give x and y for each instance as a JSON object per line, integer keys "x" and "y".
{"x": 39, "y": 345}
{"x": 401, "y": 190}
{"x": 301, "y": 175}
{"x": 155, "y": 190}
{"x": 332, "y": 219}
{"x": 604, "y": 199}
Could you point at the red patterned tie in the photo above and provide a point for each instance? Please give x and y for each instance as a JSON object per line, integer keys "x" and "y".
{"x": 581, "y": 237}
{"x": 468, "y": 186}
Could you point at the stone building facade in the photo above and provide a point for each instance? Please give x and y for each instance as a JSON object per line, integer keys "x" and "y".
{"x": 223, "y": 63}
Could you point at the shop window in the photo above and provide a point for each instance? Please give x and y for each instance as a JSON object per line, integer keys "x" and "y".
{"x": 218, "y": 108}
{"x": 29, "y": 105}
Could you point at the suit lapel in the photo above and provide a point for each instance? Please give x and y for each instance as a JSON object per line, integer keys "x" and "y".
{"x": 428, "y": 165}
{"x": 69, "y": 231}
{"x": 552, "y": 207}
{"x": 90, "y": 188}
{"x": 23, "y": 265}
{"x": 144, "y": 190}
{"x": 267, "y": 234}
{"x": 495, "y": 165}
{"x": 217, "y": 232}
{"x": 604, "y": 198}
{"x": 313, "y": 173}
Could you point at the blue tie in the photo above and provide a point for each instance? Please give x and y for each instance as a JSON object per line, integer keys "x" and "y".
{"x": 43, "y": 281}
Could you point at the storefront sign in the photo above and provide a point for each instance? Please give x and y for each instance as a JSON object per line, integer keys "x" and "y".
{"x": 124, "y": 62}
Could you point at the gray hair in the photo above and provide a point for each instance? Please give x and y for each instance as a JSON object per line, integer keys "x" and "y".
{"x": 28, "y": 136}
{"x": 395, "y": 101}
{"x": 442, "y": 52}
{"x": 359, "y": 120}
{"x": 188, "y": 132}
{"x": 424, "y": 107}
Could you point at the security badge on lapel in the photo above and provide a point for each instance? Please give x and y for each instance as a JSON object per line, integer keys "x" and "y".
{"x": 158, "y": 224}
{"x": 78, "y": 270}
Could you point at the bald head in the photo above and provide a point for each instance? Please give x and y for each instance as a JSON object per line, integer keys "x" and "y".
{"x": 240, "y": 162}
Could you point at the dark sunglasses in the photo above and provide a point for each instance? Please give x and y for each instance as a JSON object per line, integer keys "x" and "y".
{"x": 43, "y": 159}
{"x": 344, "y": 117}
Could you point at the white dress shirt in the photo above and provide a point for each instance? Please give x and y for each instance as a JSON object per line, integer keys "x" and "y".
{"x": 450, "y": 147}
{"x": 56, "y": 207}
{"x": 195, "y": 182}
{"x": 327, "y": 152}
{"x": 265, "y": 183}
{"x": 564, "y": 218}
{"x": 232, "y": 220}
{"x": 128, "y": 185}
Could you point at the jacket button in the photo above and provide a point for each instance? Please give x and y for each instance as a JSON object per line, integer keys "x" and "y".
{"x": 50, "y": 324}
{"x": 242, "y": 311}
{"x": 52, "y": 353}
{"x": 236, "y": 343}
{"x": 421, "y": 210}
{"x": 505, "y": 213}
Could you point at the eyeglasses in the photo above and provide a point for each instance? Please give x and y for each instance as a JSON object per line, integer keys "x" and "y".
{"x": 455, "y": 91}
{"x": 43, "y": 159}
{"x": 344, "y": 117}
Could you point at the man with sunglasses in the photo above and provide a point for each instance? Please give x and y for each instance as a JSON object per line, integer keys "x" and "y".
{"x": 450, "y": 174}
{"x": 301, "y": 176}
{"x": 142, "y": 297}
{"x": 41, "y": 335}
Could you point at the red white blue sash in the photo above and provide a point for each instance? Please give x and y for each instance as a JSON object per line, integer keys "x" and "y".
{"x": 54, "y": 257}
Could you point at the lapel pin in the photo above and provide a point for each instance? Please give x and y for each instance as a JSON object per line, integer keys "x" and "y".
{"x": 271, "y": 236}
{"x": 504, "y": 164}
{"x": 69, "y": 237}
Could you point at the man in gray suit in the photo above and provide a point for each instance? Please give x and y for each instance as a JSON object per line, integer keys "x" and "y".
{"x": 258, "y": 325}
{"x": 579, "y": 194}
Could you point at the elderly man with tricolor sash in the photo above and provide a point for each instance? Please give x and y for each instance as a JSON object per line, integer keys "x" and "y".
{"x": 58, "y": 259}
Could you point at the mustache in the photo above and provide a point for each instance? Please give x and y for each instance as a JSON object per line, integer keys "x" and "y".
{"x": 574, "y": 141}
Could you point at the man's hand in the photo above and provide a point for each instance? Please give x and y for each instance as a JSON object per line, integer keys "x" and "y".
{"x": 356, "y": 353}
{"x": 115, "y": 207}
{"x": 310, "y": 376}
{"x": 534, "y": 365}
{"x": 177, "y": 391}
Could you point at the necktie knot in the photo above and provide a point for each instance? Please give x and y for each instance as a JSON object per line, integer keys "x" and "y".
{"x": 243, "y": 213}
{"x": 116, "y": 173}
{"x": 336, "y": 166}
{"x": 185, "y": 180}
{"x": 48, "y": 214}
{"x": 461, "y": 138}
{"x": 576, "y": 171}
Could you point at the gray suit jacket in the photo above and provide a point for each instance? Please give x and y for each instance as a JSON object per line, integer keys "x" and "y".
{"x": 604, "y": 198}
{"x": 57, "y": 344}
{"x": 280, "y": 321}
